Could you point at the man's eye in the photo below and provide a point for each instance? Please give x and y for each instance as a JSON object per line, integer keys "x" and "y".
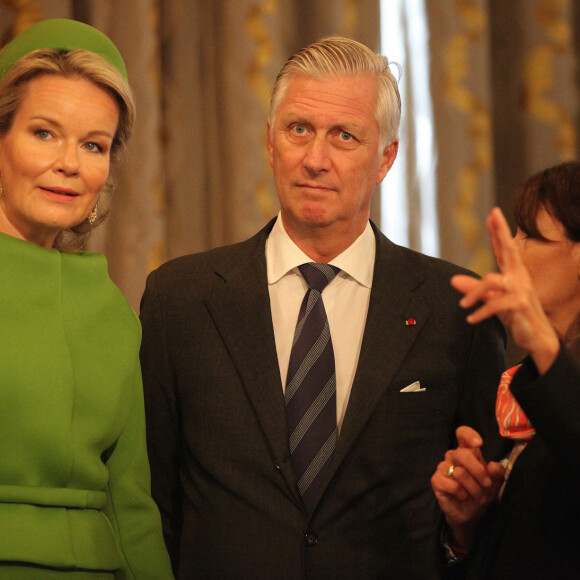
{"x": 346, "y": 136}
{"x": 299, "y": 129}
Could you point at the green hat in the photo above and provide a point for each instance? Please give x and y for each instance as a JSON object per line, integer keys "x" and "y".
{"x": 61, "y": 34}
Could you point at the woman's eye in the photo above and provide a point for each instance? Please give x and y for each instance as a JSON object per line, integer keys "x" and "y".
{"x": 91, "y": 146}
{"x": 42, "y": 133}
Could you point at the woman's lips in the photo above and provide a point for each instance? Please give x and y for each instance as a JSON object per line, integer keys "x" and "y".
{"x": 60, "y": 193}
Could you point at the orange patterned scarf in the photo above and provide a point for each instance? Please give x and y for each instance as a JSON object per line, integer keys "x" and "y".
{"x": 511, "y": 418}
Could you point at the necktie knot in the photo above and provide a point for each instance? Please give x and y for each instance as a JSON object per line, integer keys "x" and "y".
{"x": 318, "y": 275}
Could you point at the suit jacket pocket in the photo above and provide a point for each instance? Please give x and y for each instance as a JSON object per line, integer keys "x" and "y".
{"x": 416, "y": 402}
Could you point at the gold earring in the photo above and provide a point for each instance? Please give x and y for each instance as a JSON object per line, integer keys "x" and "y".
{"x": 92, "y": 217}
{"x": 1, "y": 189}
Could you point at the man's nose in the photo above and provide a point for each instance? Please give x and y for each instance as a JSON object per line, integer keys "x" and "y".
{"x": 317, "y": 155}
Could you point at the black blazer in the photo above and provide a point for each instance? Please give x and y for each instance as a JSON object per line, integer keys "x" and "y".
{"x": 218, "y": 437}
{"x": 533, "y": 533}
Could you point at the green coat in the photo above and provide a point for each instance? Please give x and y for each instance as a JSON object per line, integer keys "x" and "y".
{"x": 74, "y": 477}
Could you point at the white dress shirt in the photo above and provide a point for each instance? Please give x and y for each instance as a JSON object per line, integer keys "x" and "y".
{"x": 346, "y": 300}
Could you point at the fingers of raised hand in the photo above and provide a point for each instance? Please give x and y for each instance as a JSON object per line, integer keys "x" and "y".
{"x": 463, "y": 283}
{"x": 488, "y": 288}
{"x": 503, "y": 296}
{"x": 503, "y": 245}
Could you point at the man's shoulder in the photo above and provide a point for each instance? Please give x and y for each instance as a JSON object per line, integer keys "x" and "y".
{"x": 198, "y": 261}
{"x": 414, "y": 261}
{"x": 440, "y": 266}
{"x": 223, "y": 257}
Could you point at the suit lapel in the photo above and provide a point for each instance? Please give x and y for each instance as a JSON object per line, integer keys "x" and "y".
{"x": 395, "y": 298}
{"x": 241, "y": 313}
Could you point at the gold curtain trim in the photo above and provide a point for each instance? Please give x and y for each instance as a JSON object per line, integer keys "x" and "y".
{"x": 539, "y": 76}
{"x": 258, "y": 80}
{"x": 257, "y": 30}
{"x": 158, "y": 252}
{"x": 351, "y": 11}
{"x": 457, "y": 69}
{"x": 28, "y": 12}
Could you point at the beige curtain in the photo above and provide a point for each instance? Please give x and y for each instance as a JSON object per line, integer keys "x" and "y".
{"x": 197, "y": 174}
{"x": 503, "y": 77}
{"x": 505, "y": 93}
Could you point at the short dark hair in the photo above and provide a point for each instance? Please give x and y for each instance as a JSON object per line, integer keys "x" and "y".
{"x": 557, "y": 190}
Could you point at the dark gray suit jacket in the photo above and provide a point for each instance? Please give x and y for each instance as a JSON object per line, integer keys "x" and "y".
{"x": 217, "y": 431}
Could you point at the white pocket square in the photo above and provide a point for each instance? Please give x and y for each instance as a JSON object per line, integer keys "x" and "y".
{"x": 413, "y": 388}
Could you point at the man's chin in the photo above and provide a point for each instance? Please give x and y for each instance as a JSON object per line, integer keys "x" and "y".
{"x": 315, "y": 214}
{"x": 316, "y": 221}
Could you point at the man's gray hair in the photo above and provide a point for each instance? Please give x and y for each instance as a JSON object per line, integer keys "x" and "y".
{"x": 339, "y": 56}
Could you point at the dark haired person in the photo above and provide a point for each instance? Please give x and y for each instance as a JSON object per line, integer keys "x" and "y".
{"x": 521, "y": 521}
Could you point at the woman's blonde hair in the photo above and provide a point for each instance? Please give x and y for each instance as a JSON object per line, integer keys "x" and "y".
{"x": 71, "y": 64}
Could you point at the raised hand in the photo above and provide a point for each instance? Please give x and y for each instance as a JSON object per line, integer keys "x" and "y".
{"x": 510, "y": 295}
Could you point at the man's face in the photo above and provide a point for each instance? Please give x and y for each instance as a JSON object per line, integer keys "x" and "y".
{"x": 324, "y": 150}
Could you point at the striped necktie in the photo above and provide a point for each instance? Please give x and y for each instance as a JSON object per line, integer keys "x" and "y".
{"x": 311, "y": 387}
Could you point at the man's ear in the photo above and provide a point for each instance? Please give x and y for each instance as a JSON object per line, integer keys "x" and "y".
{"x": 269, "y": 144}
{"x": 388, "y": 158}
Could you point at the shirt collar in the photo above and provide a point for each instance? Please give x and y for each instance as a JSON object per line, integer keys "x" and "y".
{"x": 283, "y": 255}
